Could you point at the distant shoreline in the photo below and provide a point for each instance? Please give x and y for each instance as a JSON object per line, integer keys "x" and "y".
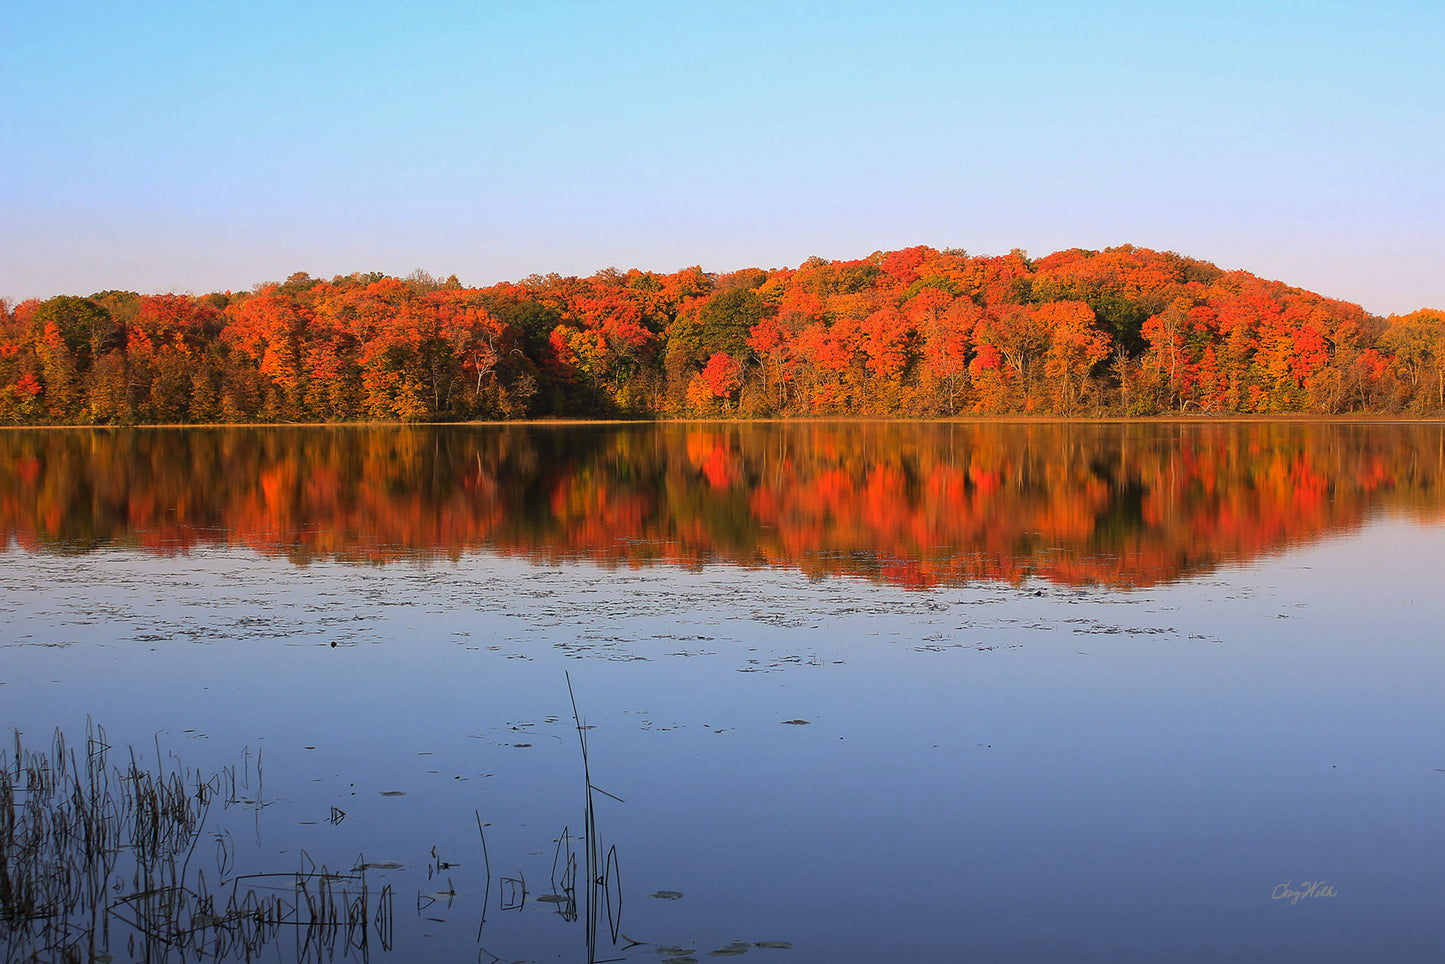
{"x": 810, "y": 420}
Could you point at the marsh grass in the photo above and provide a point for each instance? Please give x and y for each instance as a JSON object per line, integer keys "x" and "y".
{"x": 601, "y": 867}
{"x": 101, "y": 855}
{"x": 86, "y": 844}
{"x": 597, "y": 876}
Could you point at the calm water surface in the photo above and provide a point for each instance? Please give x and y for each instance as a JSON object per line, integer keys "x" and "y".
{"x": 877, "y": 692}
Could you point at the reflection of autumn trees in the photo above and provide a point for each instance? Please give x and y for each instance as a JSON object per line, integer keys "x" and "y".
{"x": 918, "y": 505}
{"x": 916, "y": 332}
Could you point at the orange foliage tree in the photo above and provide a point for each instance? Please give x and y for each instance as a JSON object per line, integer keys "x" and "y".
{"x": 913, "y": 332}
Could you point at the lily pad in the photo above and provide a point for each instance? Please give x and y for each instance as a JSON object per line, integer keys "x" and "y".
{"x": 735, "y": 949}
{"x": 796, "y": 722}
{"x": 393, "y": 793}
{"x": 777, "y": 945}
{"x": 553, "y": 899}
{"x": 667, "y": 895}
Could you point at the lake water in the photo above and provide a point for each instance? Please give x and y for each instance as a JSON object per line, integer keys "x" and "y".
{"x": 869, "y": 691}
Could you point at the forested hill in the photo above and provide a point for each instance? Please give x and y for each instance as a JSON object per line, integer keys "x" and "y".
{"x": 915, "y": 332}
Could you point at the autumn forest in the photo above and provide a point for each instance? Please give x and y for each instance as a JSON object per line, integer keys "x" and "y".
{"x": 914, "y": 333}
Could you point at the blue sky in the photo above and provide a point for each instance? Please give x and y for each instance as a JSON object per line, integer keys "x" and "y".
{"x": 212, "y": 145}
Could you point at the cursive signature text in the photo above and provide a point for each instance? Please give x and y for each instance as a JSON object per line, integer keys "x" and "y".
{"x": 1307, "y": 890}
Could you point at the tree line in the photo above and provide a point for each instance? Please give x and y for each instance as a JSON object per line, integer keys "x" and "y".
{"x": 916, "y": 332}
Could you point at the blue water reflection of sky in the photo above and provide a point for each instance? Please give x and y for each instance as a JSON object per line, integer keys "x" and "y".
{"x": 1002, "y": 772}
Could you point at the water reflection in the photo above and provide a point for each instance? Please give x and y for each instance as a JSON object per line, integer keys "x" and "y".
{"x": 915, "y": 505}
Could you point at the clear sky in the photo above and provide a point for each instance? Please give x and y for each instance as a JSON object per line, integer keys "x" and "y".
{"x": 161, "y": 146}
